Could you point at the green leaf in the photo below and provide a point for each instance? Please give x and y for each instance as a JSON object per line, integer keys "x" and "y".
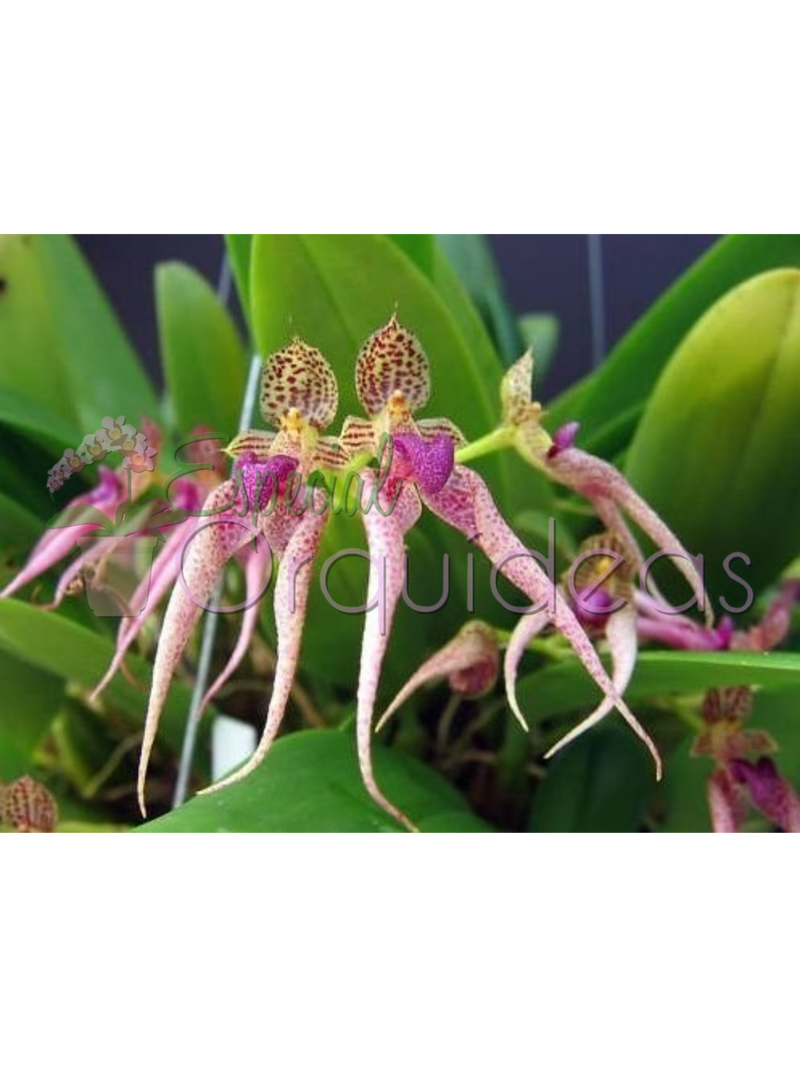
{"x": 30, "y": 701}
{"x": 54, "y": 643}
{"x": 567, "y": 687}
{"x": 471, "y": 256}
{"x": 240, "y": 248}
{"x": 541, "y": 333}
{"x": 310, "y": 783}
{"x": 632, "y": 368}
{"x": 36, "y": 422}
{"x": 203, "y": 355}
{"x": 33, "y": 363}
{"x": 20, "y": 526}
{"x": 71, "y": 355}
{"x": 600, "y": 784}
{"x": 419, "y": 247}
{"x": 724, "y": 418}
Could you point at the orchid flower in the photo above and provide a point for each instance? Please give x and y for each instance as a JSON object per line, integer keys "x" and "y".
{"x": 470, "y": 662}
{"x": 56, "y": 544}
{"x": 392, "y": 382}
{"x": 603, "y": 485}
{"x": 736, "y": 780}
{"x": 602, "y": 599}
{"x": 299, "y": 395}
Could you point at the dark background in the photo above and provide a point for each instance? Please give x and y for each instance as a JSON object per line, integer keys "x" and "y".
{"x": 545, "y": 273}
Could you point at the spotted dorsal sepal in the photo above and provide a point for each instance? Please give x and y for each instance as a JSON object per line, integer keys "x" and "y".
{"x": 392, "y": 368}
{"x": 299, "y": 381}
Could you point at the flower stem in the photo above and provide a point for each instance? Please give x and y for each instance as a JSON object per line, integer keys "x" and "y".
{"x": 502, "y": 437}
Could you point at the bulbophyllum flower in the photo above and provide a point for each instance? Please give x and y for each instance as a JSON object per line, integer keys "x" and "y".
{"x": 28, "y": 807}
{"x": 603, "y": 485}
{"x": 470, "y": 662}
{"x": 600, "y": 590}
{"x": 737, "y": 781}
{"x": 269, "y": 497}
{"x": 392, "y": 382}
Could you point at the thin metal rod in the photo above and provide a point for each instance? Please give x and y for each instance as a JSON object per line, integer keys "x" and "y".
{"x": 210, "y": 623}
{"x": 597, "y": 297}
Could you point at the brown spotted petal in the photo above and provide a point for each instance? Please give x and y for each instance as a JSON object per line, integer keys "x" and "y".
{"x": 28, "y": 807}
{"x": 470, "y": 663}
{"x": 252, "y": 443}
{"x": 392, "y": 361}
{"x": 358, "y": 437}
{"x": 299, "y": 377}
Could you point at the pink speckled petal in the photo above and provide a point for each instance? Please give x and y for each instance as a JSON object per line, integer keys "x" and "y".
{"x": 56, "y": 544}
{"x": 467, "y": 504}
{"x": 392, "y": 360}
{"x": 622, "y": 643}
{"x": 291, "y": 599}
{"x": 528, "y": 627}
{"x": 470, "y": 662}
{"x": 725, "y": 802}
{"x": 430, "y": 462}
{"x": 385, "y": 539}
{"x": 215, "y": 541}
{"x": 770, "y": 793}
{"x": 148, "y": 594}
{"x": 254, "y": 563}
{"x": 299, "y": 377}
{"x": 593, "y": 478}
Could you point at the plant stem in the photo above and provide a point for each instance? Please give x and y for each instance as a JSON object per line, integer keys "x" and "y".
{"x": 502, "y": 437}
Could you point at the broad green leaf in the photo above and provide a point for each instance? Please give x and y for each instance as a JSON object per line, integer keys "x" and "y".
{"x": 540, "y": 333}
{"x": 240, "y": 247}
{"x": 714, "y": 453}
{"x": 470, "y": 255}
{"x": 601, "y": 784}
{"x": 419, "y": 247}
{"x": 60, "y": 646}
{"x": 567, "y": 687}
{"x": 32, "y": 420}
{"x": 32, "y": 357}
{"x": 310, "y": 783}
{"x": 203, "y": 356}
{"x": 632, "y": 368}
{"x": 30, "y": 701}
{"x": 71, "y": 355}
